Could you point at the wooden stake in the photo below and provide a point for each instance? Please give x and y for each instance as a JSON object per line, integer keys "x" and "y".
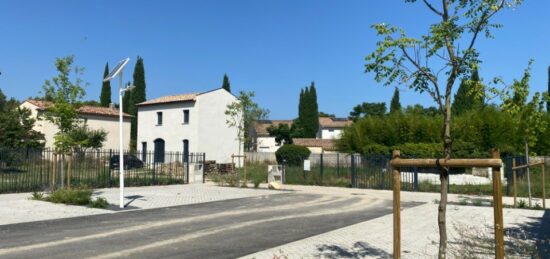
{"x": 69, "y": 168}
{"x": 543, "y": 187}
{"x": 396, "y": 207}
{"x": 514, "y": 190}
{"x": 497, "y": 206}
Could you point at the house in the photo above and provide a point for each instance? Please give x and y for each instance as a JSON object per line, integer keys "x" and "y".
{"x": 96, "y": 118}
{"x": 330, "y": 129}
{"x": 192, "y": 122}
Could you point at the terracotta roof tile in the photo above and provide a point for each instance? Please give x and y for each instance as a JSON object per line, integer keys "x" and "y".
{"x": 171, "y": 99}
{"x": 86, "y": 109}
{"x": 326, "y": 144}
{"x": 327, "y": 122}
{"x": 262, "y": 125}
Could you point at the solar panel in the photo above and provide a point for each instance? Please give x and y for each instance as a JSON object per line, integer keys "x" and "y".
{"x": 117, "y": 69}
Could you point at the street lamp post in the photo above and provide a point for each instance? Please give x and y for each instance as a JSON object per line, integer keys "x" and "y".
{"x": 117, "y": 71}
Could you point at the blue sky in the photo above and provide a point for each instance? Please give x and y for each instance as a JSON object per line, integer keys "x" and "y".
{"x": 271, "y": 47}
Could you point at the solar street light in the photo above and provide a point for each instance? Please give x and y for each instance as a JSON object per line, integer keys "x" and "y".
{"x": 117, "y": 71}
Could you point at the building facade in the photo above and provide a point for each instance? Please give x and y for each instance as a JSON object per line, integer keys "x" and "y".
{"x": 187, "y": 123}
{"x": 95, "y": 118}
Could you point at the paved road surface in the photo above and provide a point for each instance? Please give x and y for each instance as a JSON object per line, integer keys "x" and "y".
{"x": 224, "y": 229}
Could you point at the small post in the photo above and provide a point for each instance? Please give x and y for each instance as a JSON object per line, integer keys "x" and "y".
{"x": 244, "y": 164}
{"x": 543, "y": 185}
{"x": 321, "y": 168}
{"x": 203, "y": 167}
{"x": 396, "y": 207}
{"x": 497, "y": 206}
{"x": 514, "y": 176}
{"x": 353, "y": 180}
{"x": 69, "y": 169}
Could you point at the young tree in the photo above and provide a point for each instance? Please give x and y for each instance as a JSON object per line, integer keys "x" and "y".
{"x": 413, "y": 62}
{"x": 105, "y": 97}
{"x": 281, "y": 132}
{"x": 137, "y": 95}
{"x": 470, "y": 95}
{"x": 16, "y": 126}
{"x": 548, "y": 102}
{"x": 395, "y": 105}
{"x": 312, "y": 113}
{"x": 226, "y": 85}
{"x": 242, "y": 115}
{"x": 66, "y": 95}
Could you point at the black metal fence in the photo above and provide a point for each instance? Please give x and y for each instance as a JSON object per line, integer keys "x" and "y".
{"x": 25, "y": 170}
{"x": 373, "y": 172}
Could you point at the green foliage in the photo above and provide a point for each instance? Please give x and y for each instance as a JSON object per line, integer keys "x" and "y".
{"x": 84, "y": 138}
{"x": 76, "y": 196}
{"x": 226, "y": 85}
{"x": 66, "y": 96}
{"x": 105, "y": 96}
{"x": 367, "y": 110}
{"x": 137, "y": 95}
{"x": 16, "y": 126}
{"x": 395, "y": 105}
{"x": 548, "y": 92}
{"x": 327, "y": 115}
{"x": 376, "y": 150}
{"x": 281, "y": 132}
{"x": 292, "y": 154}
{"x": 38, "y": 196}
{"x": 99, "y": 203}
{"x": 257, "y": 181}
{"x": 242, "y": 115}
{"x": 307, "y": 123}
{"x": 470, "y": 95}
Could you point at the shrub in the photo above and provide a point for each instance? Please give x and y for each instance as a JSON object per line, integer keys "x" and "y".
{"x": 257, "y": 182}
{"x": 376, "y": 150}
{"x": 37, "y": 196}
{"x": 99, "y": 203}
{"x": 292, "y": 154}
{"x": 77, "y": 196}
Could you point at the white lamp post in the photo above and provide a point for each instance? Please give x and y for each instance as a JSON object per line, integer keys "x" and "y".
{"x": 118, "y": 71}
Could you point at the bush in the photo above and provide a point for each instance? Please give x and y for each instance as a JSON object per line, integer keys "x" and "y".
{"x": 77, "y": 196}
{"x": 420, "y": 150}
{"x": 99, "y": 203}
{"x": 292, "y": 154}
{"x": 376, "y": 150}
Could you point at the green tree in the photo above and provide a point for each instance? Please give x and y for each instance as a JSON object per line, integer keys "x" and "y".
{"x": 126, "y": 99}
{"x": 395, "y": 105}
{"x": 312, "y": 113}
{"x": 367, "y": 109}
{"x": 16, "y": 126}
{"x": 105, "y": 97}
{"x": 327, "y": 115}
{"x": 243, "y": 115}
{"x": 226, "y": 85}
{"x": 548, "y": 91}
{"x": 281, "y": 132}
{"x": 394, "y": 60}
{"x": 470, "y": 94}
{"x": 85, "y": 138}
{"x": 135, "y": 96}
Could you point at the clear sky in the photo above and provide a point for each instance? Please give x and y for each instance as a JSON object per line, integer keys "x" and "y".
{"x": 271, "y": 47}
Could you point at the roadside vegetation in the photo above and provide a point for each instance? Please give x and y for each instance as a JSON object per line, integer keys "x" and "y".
{"x": 81, "y": 196}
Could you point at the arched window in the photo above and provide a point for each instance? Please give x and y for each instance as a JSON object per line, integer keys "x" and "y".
{"x": 159, "y": 151}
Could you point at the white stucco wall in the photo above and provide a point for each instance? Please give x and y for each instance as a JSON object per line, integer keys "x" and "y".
{"x": 107, "y": 123}
{"x": 206, "y": 132}
{"x": 330, "y": 133}
{"x": 266, "y": 144}
{"x": 217, "y": 139}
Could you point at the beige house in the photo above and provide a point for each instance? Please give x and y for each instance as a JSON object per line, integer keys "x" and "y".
{"x": 96, "y": 118}
{"x": 188, "y": 123}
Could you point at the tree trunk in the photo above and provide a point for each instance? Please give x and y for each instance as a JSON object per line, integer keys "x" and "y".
{"x": 444, "y": 178}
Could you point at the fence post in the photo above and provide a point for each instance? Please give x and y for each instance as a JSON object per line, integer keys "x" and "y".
{"x": 514, "y": 176}
{"x": 186, "y": 158}
{"x": 321, "y": 169}
{"x": 353, "y": 173}
{"x": 203, "y": 167}
{"x": 497, "y": 206}
{"x": 396, "y": 207}
{"x": 415, "y": 179}
{"x": 543, "y": 186}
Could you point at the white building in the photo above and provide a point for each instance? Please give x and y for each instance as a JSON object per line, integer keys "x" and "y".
{"x": 187, "y": 123}
{"x": 96, "y": 118}
{"x": 330, "y": 129}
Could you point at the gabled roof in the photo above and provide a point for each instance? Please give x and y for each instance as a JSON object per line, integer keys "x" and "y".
{"x": 187, "y": 97}
{"x": 262, "y": 125}
{"x": 86, "y": 109}
{"x": 326, "y": 144}
{"x": 326, "y": 122}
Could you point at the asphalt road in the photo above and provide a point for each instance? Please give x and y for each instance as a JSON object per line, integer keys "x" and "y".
{"x": 223, "y": 229}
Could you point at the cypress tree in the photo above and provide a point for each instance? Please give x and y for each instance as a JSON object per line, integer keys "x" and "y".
{"x": 395, "y": 105}
{"x": 469, "y": 95}
{"x": 226, "y": 85}
{"x": 137, "y": 96}
{"x": 314, "y": 111}
{"x": 105, "y": 97}
{"x": 126, "y": 98}
{"x": 548, "y": 103}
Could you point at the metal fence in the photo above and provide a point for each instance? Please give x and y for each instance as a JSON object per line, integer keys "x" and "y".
{"x": 373, "y": 172}
{"x": 25, "y": 170}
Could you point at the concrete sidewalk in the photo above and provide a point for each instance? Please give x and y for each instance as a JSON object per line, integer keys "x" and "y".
{"x": 19, "y": 208}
